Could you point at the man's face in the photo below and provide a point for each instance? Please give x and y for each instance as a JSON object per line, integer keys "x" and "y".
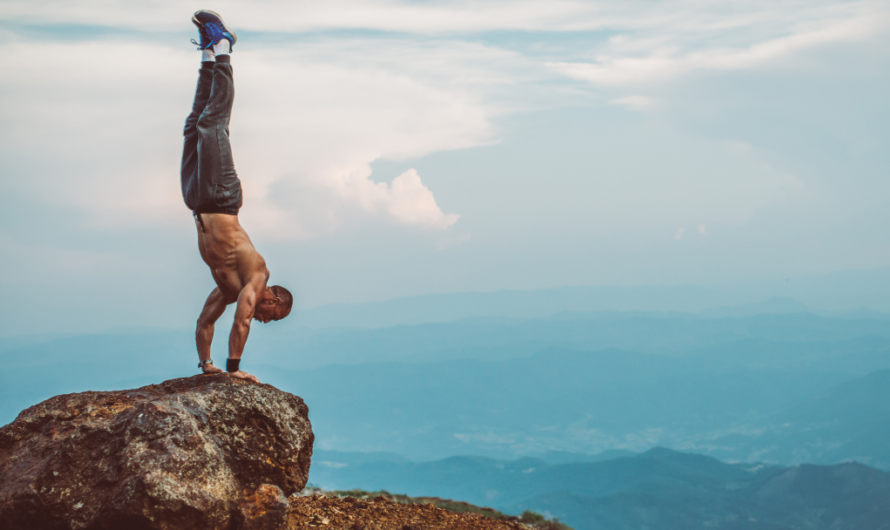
{"x": 267, "y": 310}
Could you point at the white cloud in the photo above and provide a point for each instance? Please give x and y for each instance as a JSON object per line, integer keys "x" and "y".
{"x": 314, "y": 15}
{"x": 410, "y": 202}
{"x": 729, "y": 21}
{"x": 709, "y": 41}
{"x": 634, "y": 102}
{"x": 310, "y": 120}
{"x": 306, "y": 126}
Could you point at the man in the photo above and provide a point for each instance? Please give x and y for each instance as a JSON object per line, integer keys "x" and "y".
{"x": 211, "y": 189}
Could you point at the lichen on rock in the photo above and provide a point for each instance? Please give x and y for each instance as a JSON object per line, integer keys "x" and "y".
{"x": 201, "y": 452}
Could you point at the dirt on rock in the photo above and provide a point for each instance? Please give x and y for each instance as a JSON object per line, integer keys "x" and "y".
{"x": 348, "y": 513}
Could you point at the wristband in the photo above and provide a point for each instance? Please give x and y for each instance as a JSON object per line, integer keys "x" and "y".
{"x": 232, "y": 365}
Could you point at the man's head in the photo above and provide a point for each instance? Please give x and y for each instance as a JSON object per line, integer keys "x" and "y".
{"x": 274, "y": 305}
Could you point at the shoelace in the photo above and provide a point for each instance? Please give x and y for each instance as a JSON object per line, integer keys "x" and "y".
{"x": 198, "y": 44}
{"x": 214, "y": 32}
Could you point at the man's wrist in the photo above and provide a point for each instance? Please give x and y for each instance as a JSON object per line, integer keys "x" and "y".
{"x": 233, "y": 365}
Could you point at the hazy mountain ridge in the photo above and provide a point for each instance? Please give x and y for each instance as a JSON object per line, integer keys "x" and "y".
{"x": 575, "y": 401}
{"x": 845, "y": 422}
{"x": 855, "y": 292}
{"x": 579, "y": 383}
{"x": 659, "y": 489}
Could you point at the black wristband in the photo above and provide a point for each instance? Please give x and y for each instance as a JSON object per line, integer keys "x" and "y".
{"x": 232, "y": 365}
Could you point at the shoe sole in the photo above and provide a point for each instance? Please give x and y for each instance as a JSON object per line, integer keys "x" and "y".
{"x": 225, "y": 28}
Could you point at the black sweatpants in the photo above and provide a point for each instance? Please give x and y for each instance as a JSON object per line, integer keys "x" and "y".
{"x": 209, "y": 181}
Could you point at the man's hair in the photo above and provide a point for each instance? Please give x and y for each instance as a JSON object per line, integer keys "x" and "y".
{"x": 287, "y": 299}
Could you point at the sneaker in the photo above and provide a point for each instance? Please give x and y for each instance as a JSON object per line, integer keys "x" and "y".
{"x": 214, "y": 28}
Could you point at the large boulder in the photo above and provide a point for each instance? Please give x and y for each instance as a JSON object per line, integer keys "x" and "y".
{"x": 204, "y": 452}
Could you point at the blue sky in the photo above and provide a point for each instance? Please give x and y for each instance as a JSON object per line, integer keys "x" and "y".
{"x": 397, "y": 148}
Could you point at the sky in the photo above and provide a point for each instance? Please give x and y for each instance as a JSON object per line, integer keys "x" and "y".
{"x": 396, "y": 148}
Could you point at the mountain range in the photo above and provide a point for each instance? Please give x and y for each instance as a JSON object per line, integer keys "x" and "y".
{"x": 784, "y": 388}
{"x": 659, "y": 489}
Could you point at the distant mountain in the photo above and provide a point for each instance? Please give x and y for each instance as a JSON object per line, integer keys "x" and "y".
{"x": 850, "y": 421}
{"x": 505, "y": 338}
{"x": 566, "y": 457}
{"x": 659, "y": 489}
{"x": 865, "y": 291}
{"x": 774, "y": 306}
{"x": 505, "y": 388}
{"x": 555, "y": 400}
{"x": 338, "y": 459}
{"x": 452, "y": 307}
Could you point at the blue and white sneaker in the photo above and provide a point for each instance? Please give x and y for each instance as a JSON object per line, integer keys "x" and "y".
{"x": 213, "y": 28}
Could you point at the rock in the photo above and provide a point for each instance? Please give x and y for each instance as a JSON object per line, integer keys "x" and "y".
{"x": 266, "y": 508}
{"x": 334, "y": 513}
{"x": 204, "y": 452}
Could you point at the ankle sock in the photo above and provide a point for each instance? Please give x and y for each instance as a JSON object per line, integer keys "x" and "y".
{"x": 223, "y": 47}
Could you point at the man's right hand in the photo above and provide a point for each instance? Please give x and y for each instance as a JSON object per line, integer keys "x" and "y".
{"x": 240, "y": 374}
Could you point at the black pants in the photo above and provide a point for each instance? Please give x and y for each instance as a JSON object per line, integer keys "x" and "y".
{"x": 209, "y": 181}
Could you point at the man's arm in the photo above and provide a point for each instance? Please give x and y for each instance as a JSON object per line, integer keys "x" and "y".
{"x": 214, "y": 307}
{"x": 241, "y": 326}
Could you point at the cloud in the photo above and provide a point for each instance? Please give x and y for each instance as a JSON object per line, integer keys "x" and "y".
{"x": 728, "y": 21}
{"x": 309, "y": 122}
{"x": 306, "y": 126}
{"x": 313, "y": 115}
{"x": 410, "y": 202}
{"x": 634, "y": 102}
{"x": 315, "y": 15}
{"x": 644, "y": 55}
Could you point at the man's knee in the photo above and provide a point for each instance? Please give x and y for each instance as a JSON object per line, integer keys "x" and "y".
{"x": 207, "y": 119}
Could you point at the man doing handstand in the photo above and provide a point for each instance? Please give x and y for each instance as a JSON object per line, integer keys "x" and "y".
{"x": 211, "y": 189}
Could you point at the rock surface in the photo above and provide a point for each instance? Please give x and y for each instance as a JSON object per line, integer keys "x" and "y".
{"x": 332, "y": 513}
{"x": 204, "y": 452}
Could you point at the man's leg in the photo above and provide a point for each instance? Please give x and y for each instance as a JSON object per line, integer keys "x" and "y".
{"x": 220, "y": 189}
{"x": 190, "y": 161}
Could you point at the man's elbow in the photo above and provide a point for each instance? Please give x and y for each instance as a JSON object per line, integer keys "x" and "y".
{"x": 241, "y": 325}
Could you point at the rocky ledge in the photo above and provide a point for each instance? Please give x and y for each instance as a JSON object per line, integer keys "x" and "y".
{"x": 204, "y": 452}
{"x": 382, "y": 513}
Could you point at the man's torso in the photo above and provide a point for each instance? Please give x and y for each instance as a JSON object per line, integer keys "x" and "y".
{"x": 228, "y": 251}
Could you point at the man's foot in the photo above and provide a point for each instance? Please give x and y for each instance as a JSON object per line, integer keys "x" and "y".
{"x": 241, "y": 374}
{"x": 210, "y": 369}
{"x": 213, "y": 26}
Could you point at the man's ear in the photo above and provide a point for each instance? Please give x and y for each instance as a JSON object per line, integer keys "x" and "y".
{"x": 270, "y": 298}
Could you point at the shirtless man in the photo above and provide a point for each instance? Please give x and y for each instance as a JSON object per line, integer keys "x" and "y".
{"x": 211, "y": 189}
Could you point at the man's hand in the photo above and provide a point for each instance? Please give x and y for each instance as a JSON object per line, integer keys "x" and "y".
{"x": 210, "y": 369}
{"x": 241, "y": 374}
